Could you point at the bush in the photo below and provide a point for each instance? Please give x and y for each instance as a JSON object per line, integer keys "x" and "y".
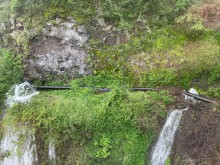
{"x": 4, "y": 11}
{"x": 11, "y": 71}
{"x": 112, "y": 128}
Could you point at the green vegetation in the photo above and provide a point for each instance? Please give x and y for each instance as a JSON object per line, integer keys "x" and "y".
{"x": 121, "y": 13}
{"x": 89, "y": 127}
{"x": 168, "y": 162}
{"x": 11, "y": 71}
{"x": 112, "y": 128}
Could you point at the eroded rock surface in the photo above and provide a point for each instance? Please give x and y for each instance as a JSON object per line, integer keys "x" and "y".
{"x": 57, "y": 52}
{"x": 49, "y": 57}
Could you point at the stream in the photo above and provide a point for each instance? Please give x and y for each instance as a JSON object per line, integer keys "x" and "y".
{"x": 164, "y": 144}
{"x": 22, "y": 93}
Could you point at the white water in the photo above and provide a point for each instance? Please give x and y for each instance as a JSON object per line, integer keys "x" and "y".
{"x": 164, "y": 145}
{"x": 51, "y": 152}
{"x": 21, "y": 93}
{"x": 27, "y": 150}
{"x": 52, "y": 155}
{"x": 165, "y": 142}
{"x": 193, "y": 91}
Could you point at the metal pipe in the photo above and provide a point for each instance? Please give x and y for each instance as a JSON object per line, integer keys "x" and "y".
{"x": 143, "y": 89}
{"x": 53, "y": 87}
{"x": 199, "y": 98}
{"x": 100, "y": 89}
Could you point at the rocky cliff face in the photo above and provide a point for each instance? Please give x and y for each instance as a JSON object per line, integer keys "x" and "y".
{"x": 58, "y": 51}
{"x": 59, "y": 47}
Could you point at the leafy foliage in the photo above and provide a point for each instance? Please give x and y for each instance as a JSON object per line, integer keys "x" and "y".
{"x": 4, "y": 10}
{"x": 168, "y": 162}
{"x": 114, "y": 128}
{"x": 182, "y": 4}
{"x": 122, "y": 14}
{"x": 28, "y": 8}
{"x": 11, "y": 71}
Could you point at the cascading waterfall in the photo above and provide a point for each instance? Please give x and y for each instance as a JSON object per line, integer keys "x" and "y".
{"x": 51, "y": 152}
{"x": 164, "y": 145}
{"x": 193, "y": 91}
{"x": 27, "y": 151}
{"x": 52, "y": 155}
{"x": 18, "y": 93}
{"x": 165, "y": 142}
{"x": 21, "y": 93}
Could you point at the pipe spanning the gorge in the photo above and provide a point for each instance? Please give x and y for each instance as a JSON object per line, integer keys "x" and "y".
{"x": 133, "y": 89}
{"x": 199, "y": 98}
{"x": 100, "y": 89}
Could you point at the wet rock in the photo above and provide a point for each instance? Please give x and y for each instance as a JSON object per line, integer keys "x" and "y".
{"x": 198, "y": 109}
{"x": 128, "y": 59}
{"x": 212, "y": 88}
{"x": 203, "y": 84}
{"x": 141, "y": 26}
{"x": 194, "y": 82}
{"x": 108, "y": 28}
{"x": 111, "y": 40}
{"x": 153, "y": 64}
{"x": 181, "y": 106}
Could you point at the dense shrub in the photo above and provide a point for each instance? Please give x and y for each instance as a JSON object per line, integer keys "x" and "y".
{"x": 112, "y": 128}
{"x": 10, "y": 71}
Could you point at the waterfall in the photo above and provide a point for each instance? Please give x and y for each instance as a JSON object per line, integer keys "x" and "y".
{"x": 22, "y": 93}
{"x": 51, "y": 151}
{"x": 164, "y": 145}
{"x": 165, "y": 142}
{"x": 27, "y": 158}
{"x": 18, "y": 93}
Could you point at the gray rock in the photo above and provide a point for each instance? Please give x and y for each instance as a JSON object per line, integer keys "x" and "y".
{"x": 203, "y": 83}
{"x": 31, "y": 32}
{"x": 153, "y": 64}
{"x": 194, "y": 82}
{"x": 111, "y": 40}
{"x": 181, "y": 106}
{"x": 13, "y": 23}
{"x": 2, "y": 27}
{"x": 128, "y": 59}
{"x": 69, "y": 36}
{"x": 212, "y": 88}
{"x": 49, "y": 57}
